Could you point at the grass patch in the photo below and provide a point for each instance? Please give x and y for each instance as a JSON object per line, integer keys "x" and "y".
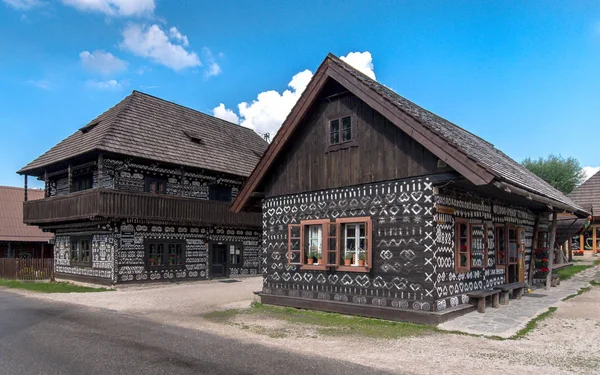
{"x": 52, "y": 287}
{"x": 329, "y": 324}
{"x": 579, "y": 292}
{"x": 533, "y": 324}
{"x": 597, "y": 262}
{"x": 567, "y": 273}
{"x": 595, "y": 283}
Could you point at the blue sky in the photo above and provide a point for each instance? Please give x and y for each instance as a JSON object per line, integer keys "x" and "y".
{"x": 523, "y": 75}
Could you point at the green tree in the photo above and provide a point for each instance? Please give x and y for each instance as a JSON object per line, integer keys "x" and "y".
{"x": 564, "y": 174}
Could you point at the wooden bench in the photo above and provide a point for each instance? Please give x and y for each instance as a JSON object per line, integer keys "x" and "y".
{"x": 481, "y": 295}
{"x": 517, "y": 290}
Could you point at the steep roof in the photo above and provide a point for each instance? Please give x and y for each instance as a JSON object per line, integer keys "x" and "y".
{"x": 476, "y": 159}
{"x": 11, "y": 216}
{"x": 587, "y": 195}
{"x": 148, "y": 127}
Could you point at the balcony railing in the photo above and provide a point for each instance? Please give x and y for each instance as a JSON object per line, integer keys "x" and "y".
{"x": 114, "y": 204}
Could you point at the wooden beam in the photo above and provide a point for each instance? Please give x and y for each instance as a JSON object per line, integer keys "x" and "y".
{"x": 46, "y": 183}
{"x": 25, "y": 186}
{"x": 552, "y": 234}
{"x": 534, "y": 246}
{"x": 100, "y": 169}
{"x": 70, "y": 178}
{"x": 570, "y": 249}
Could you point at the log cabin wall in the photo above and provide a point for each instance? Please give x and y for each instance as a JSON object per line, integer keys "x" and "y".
{"x": 402, "y": 238}
{"x": 119, "y": 254}
{"x": 382, "y": 151}
{"x": 129, "y": 176}
{"x": 451, "y": 287}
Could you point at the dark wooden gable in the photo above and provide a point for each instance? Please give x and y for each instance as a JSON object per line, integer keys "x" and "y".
{"x": 381, "y": 152}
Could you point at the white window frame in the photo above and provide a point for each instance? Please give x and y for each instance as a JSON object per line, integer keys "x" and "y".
{"x": 357, "y": 237}
{"x": 315, "y": 237}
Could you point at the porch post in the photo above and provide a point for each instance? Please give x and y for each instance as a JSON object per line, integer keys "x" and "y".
{"x": 534, "y": 247}
{"x": 570, "y": 249}
{"x": 551, "y": 248}
{"x": 70, "y": 178}
{"x": 25, "y": 187}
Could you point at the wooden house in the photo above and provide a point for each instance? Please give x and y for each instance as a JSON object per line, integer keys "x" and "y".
{"x": 18, "y": 240}
{"x": 375, "y": 206}
{"x": 143, "y": 193}
{"x": 587, "y": 195}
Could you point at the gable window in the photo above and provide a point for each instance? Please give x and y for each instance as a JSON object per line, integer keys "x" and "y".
{"x": 341, "y": 131}
{"x": 81, "y": 251}
{"x": 165, "y": 253}
{"x": 155, "y": 185}
{"x": 82, "y": 182}
{"x": 219, "y": 193}
{"x": 462, "y": 254}
{"x": 320, "y": 244}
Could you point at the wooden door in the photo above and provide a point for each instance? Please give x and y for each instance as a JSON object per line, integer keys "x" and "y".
{"x": 218, "y": 260}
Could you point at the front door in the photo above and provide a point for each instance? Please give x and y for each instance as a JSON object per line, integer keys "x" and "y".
{"x": 218, "y": 260}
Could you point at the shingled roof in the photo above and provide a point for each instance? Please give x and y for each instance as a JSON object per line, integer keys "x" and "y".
{"x": 587, "y": 195}
{"x": 470, "y": 155}
{"x": 148, "y": 127}
{"x": 11, "y": 216}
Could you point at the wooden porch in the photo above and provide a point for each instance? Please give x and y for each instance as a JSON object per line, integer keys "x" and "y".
{"x": 113, "y": 204}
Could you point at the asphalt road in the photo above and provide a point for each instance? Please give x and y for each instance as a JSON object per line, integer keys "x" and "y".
{"x": 38, "y": 337}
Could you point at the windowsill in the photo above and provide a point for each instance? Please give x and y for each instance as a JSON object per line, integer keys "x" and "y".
{"x": 342, "y": 145}
{"x": 353, "y": 268}
{"x": 315, "y": 267}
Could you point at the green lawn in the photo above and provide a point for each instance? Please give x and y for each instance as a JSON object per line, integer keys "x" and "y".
{"x": 330, "y": 324}
{"x": 52, "y": 287}
{"x": 567, "y": 273}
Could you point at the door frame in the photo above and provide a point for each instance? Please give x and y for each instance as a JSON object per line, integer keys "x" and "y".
{"x": 210, "y": 258}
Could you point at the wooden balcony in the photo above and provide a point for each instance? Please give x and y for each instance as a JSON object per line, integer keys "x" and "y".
{"x": 114, "y": 204}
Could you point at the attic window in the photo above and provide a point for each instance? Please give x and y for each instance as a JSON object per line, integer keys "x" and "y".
{"x": 89, "y": 127}
{"x": 194, "y": 137}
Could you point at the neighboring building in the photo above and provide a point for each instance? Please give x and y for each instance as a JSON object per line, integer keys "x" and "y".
{"x": 18, "y": 240}
{"x": 375, "y": 206}
{"x": 587, "y": 195}
{"x": 142, "y": 193}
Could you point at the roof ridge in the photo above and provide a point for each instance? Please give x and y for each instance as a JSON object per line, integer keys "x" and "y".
{"x": 126, "y": 102}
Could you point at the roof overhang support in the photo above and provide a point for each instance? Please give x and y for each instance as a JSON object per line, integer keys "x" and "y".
{"x": 25, "y": 187}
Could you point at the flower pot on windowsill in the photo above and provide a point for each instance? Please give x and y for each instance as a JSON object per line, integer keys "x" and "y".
{"x": 319, "y": 261}
{"x": 361, "y": 262}
{"x": 347, "y": 262}
{"x": 310, "y": 261}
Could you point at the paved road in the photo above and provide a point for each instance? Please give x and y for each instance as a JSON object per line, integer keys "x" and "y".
{"x": 38, "y": 337}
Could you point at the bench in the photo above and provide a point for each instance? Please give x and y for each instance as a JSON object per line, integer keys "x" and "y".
{"x": 517, "y": 290}
{"x": 481, "y": 295}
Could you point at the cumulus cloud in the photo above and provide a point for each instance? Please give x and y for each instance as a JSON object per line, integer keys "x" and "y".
{"x": 23, "y": 4}
{"x": 122, "y": 8}
{"x": 175, "y": 34}
{"x": 152, "y": 42}
{"x": 270, "y": 108}
{"x": 363, "y": 61}
{"x": 110, "y": 85}
{"x": 102, "y": 62}
{"x": 213, "y": 68}
{"x": 226, "y": 114}
{"x": 41, "y": 84}
{"x": 590, "y": 171}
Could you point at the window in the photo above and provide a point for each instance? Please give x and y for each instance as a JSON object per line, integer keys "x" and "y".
{"x": 166, "y": 253}
{"x": 235, "y": 255}
{"x": 501, "y": 245}
{"x": 320, "y": 244}
{"x": 478, "y": 246}
{"x": 83, "y": 182}
{"x": 542, "y": 243}
{"x": 513, "y": 245}
{"x": 81, "y": 251}
{"x": 219, "y": 193}
{"x": 342, "y": 132}
{"x": 463, "y": 246}
{"x": 155, "y": 185}
{"x": 9, "y": 252}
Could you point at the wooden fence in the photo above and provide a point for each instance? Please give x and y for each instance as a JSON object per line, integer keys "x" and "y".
{"x": 32, "y": 269}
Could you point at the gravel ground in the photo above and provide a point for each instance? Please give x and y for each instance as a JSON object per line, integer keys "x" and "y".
{"x": 565, "y": 343}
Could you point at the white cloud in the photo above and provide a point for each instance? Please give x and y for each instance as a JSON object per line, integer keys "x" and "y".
{"x": 363, "y": 61}
{"x": 153, "y": 43}
{"x": 270, "y": 108}
{"x": 102, "y": 62}
{"x": 41, "y": 84}
{"x": 213, "y": 68}
{"x": 225, "y": 114}
{"x": 175, "y": 34}
{"x": 123, "y": 8}
{"x": 110, "y": 85}
{"x": 590, "y": 171}
{"x": 23, "y": 4}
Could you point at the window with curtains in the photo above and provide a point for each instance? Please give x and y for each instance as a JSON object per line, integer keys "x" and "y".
{"x": 343, "y": 244}
{"x": 165, "y": 253}
{"x": 501, "y": 245}
{"x": 462, "y": 255}
{"x": 81, "y": 251}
